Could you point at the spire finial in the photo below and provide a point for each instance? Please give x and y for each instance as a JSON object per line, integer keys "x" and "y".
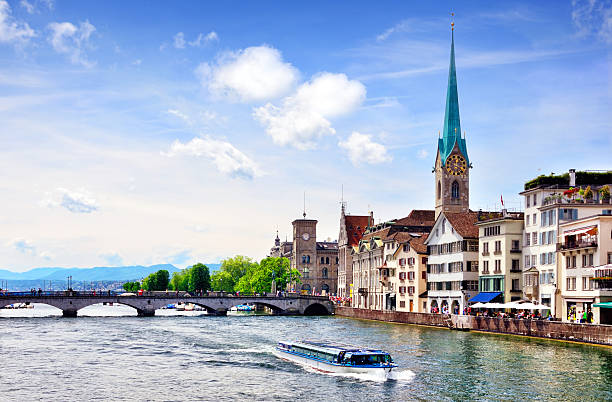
{"x": 452, "y": 21}
{"x": 304, "y": 214}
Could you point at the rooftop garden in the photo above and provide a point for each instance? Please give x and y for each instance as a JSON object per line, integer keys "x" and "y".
{"x": 582, "y": 178}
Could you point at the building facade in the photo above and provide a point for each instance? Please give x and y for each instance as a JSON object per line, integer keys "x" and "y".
{"x": 352, "y": 228}
{"x": 585, "y": 250}
{"x": 500, "y": 244}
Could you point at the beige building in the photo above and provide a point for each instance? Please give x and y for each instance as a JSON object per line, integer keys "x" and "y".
{"x": 406, "y": 260}
{"x": 585, "y": 248}
{"x": 352, "y": 228}
{"x": 499, "y": 260}
{"x": 374, "y": 287}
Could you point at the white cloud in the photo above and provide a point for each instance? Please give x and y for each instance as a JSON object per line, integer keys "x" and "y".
{"x": 12, "y": 31}
{"x": 303, "y": 117}
{"x": 179, "y": 40}
{"x": 23, "y": 246}
{"x": 74, "y": 201}
{"x": 593, "y": 17}
{"x": 112, "y": 258}
{"x": 28, "y": 6}
{"x": 67, "y": 39}
{"x": 422, "y": 154}
{"x": 204, "y": 39}
{"x": 179, "y": 114}
{"x": 226, "y": 158}
{"x": 361, "y": 149}
{"x": 253, "y": 74}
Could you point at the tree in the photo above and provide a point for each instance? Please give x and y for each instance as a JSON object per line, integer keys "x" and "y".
{"x": 222, "y": 281}
{"x": 180, "y": 280}
{"x": 131, "y": 286}
{"x": 199, "y": 278}
{"x": 258, "y": 278}
{"x": 157, "y": 281}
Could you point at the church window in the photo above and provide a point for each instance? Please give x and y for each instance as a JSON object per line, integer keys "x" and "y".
{"x": 455, "y": 190}
{"x": 439, "y": 192}
{"x": 327, "y": 260}
{"x": 307, "y": 259}
{"x": 322, "y": 260}
{"x": 324, "y": 272}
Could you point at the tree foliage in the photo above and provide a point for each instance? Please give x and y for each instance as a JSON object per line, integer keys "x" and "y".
{"x": 157, "y": 281}
{"x": 195, "y": 278}
{"x": 258, "y": 278}
{"x": 131, "y": 286}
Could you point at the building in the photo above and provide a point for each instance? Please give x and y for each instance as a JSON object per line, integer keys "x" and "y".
{"x": 316, "y": 261}
{"x": 283, "y": 249}
{"x": 500, "y": 257}
{"x": 371, "y": 274}
{"x": 406, "y": 259}
{"x": 585, "y": 247}
{"x": 452, "y": 265}
{"x": 550, "y": 201}
{"x": 352, "y": 228}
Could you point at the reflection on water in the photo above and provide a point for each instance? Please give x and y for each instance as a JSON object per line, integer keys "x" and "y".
{"x": 180, "y": 355}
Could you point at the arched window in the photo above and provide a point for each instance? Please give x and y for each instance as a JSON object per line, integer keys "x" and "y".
{"x": 439, "y": 192}
{"x": 307, "y": 259}
{"x": 324, "y": 272}
{"x": 336, "y": 260}
{"x": 303, "y": 259}
{"x": 455, "y": 190}
{"x": 327, "y": 260}
{"x": 325, "y": 287}
{"x": 322, "y": 260}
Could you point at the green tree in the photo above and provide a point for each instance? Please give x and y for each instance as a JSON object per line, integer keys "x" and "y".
{"x": 131, "y": 286}
{"x": 236, "y": 267}
{"x": 180, "y": 280}
{"x": 157, "y": 281}
{"x": 258, "y": 278}
{"x": 199, "y": 278}
{"x": 222, "y": 281}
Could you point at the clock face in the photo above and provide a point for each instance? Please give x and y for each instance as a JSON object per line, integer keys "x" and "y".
{"x": 456, "y": 165}
{"x": 305, "y": 236}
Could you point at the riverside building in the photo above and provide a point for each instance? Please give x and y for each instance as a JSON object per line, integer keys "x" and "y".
{"x": 550, "y": 201}
{"x": 352, "y": 228}
{"x": 499, "y": 241}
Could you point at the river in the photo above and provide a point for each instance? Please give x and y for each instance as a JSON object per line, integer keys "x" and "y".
{"x": 112, "y": 355}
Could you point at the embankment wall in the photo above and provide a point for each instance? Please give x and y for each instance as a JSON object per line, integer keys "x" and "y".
{"x": 599, "y": 334}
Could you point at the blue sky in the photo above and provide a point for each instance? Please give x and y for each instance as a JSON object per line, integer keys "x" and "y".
{"x": 152, "y": 132}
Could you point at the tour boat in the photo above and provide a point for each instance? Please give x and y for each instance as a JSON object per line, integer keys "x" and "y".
{"x": 336, "y": 358}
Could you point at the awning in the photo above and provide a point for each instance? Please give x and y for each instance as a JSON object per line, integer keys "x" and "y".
{"x": 603, "y": 305}
{"x": 423, "y": 295}
{"x": 581, "y": 230}
{"x": 484, "y": 297}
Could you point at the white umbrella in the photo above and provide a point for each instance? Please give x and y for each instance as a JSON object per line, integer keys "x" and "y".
{"x": 479, "y": 305}
{"x": 532, "y": 306}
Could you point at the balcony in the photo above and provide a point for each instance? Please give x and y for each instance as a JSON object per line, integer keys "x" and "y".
{"x": 497, "y": 271}
{"x": 577, "y": 245}
{"x": 531, "y": 291}
{"x": 363, "y": 291}
{"x": 485, "y": 272}
{"x": 516, "y": 250}
{"x": 515, "y": 270}
{"x": 485, "y": 253}
{"x": 497, "y": 252}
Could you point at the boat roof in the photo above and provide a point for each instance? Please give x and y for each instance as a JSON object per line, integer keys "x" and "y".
{"x": 331, "y": 347}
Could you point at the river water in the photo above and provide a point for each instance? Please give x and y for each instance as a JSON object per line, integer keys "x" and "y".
{"x": 112, "y": 355}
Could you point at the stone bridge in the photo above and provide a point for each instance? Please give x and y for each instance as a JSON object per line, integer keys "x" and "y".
{"x": 71, "y": 302}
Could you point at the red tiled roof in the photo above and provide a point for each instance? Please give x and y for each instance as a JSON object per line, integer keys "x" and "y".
{"x": 355, "y": 226}
{"x": 418, "y": 217}
{"x": 464, "y": 223}
{"x": 416, "y": 242}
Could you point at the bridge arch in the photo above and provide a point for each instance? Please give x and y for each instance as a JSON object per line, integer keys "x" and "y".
{"x": 316, "y": 309}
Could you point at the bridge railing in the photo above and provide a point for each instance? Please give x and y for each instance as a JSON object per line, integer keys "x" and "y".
{"x": 156, "y": 294}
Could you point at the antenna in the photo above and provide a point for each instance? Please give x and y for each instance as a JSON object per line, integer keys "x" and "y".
{"x": 304, "y": 214}
{"x": 342, "y": 202}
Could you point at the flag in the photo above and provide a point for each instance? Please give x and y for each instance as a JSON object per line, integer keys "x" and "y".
{"x": 502, "y": 199}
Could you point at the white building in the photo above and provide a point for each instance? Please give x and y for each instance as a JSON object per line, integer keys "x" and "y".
{"x": 452, "y": 265}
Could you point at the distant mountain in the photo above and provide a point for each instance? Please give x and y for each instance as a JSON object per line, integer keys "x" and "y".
{"x": 126, "y": 273}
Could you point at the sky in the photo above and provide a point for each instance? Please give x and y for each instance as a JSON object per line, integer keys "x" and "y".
{"x": 180, "y": 132}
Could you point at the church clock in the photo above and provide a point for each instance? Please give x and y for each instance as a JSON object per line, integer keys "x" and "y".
{"x": 456, "y": 165}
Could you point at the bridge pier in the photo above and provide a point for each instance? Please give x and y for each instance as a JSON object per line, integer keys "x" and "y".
{"x": 219, "y": 313}
{"x": 69, "y": 313}
{"x": 145, "y": 313}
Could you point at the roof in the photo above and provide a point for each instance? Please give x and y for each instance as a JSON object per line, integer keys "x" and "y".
{"x": 452, "y": 124}
{"x": 355, "y": 227}
{"x": 490, "y": 217}
{"x": 418, "y": 217}
{"x": 416, "y": 240}
{"x": 326, "y": 245}
{"x": 464, "y": 223}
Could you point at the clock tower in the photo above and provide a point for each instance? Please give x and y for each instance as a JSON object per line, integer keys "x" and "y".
{"x": 452, "y": 168}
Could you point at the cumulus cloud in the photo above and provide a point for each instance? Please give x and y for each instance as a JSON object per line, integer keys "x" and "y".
{"x": 593, "y": 17}
{"x": 112, "y": 258}
{"x": 179, "y": 40}
{"x": 303, "y": 117}
{"x": 73, "y": 41}
{"x": 361, "y": 149}
{"x": 226, "y": 158}
{"x": 74, "y": 201}
{"x": 23, "y": 246}
{"x": 11, "y": 30}
{"x": 422, "y": 154}
{"x": 253, "y": 74}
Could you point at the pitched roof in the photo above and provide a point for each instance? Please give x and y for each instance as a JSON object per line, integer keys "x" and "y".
{"x": 416, "y": 240}
{"x": 355, "y": 227}
{"x": 418, "y": 217}
{"x": 464, "y": 223}
{"x": 326, "y": 245}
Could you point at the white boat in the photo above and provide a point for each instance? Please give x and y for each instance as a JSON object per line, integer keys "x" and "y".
{"x": 336, "y": 358}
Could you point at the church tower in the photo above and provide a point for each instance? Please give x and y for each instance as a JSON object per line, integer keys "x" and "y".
{"x": 452, "y": 169}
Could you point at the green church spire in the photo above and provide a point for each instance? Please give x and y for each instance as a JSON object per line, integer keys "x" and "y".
{"x": 452, "y": 124}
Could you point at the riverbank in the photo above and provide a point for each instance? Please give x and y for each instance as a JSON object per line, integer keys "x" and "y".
{"x": 587, "y": 333}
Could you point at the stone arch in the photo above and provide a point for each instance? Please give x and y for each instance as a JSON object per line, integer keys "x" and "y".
{"x": 434, "y": 305}
{"x": 316, "y": 309}
{"x": 455, "y": 307}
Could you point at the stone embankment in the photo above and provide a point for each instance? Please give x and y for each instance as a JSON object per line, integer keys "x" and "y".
{"x": 589, "y": 333}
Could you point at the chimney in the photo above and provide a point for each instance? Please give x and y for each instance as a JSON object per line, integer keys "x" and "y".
{"x": 572, "y": 177}
{"x": 505, "y": 213}
{"x": 371, "y": 219}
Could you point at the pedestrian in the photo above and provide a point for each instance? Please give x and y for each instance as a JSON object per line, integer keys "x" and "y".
{"x": 590, "y": 316}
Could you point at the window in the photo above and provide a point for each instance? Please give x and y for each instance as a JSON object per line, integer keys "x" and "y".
{"x": 443, "y": 226}
{"x": 573, "y": 261}
{"x": 527, "y": 239}
{"x": 551, "y": 217}
{"x": 406, "y": 247}
{"x": 516, "y": 265}
{"x": 492, "y": 231}
{"x": 543, "y": 238}
{"x": 535, "y": 202}
{"x": 527, "y": 261}
{"x": 303, "y": 259}
{"x": 439, "y": 192}
{"x": 515, "y": 245}
{"x": 534, "y": 260}
{"x": 497, "y": 265}
{"x": 568, "y": 214}
{"x": 609, "y": 258}
{"x": 534, "y": 238}
{"x": 527, "y": 199}
{"x": 336, "y": 260}
{"x": 534, "y": 217}
{"x": 485, "y": 248}
{"x": 606, "y": 212}
{"x": 527, "y": 220}
{"x": 543, "y": 218}
{"x": 306, "y": 272}
{"x": 327, "y": 260}
{"x": 498, "y": 246}
{"x": 411, "y": 276}
{"x": 485, "y": 267}
{"x": 324, "y": 273}
{"x": 515, "y": 285}
{"x": 322, "y": 260}
{"x": 455, "y": 190}
{"x": 423, "y": 275}
{"x": 590, "y": 260}
{"x": 584, "y": 260}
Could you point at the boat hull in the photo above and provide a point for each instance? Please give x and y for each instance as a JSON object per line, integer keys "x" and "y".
{"x": 327, "y": 367}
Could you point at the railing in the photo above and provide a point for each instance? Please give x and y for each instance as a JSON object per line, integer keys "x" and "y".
{"x": 497, "y": 271}
{"x": 572, "y": 246}
{"x": 515, "y": 270}
{"x": 516, "y": 250}
{"x": 497, "y": 252}
{"x": 485, "y": 253}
